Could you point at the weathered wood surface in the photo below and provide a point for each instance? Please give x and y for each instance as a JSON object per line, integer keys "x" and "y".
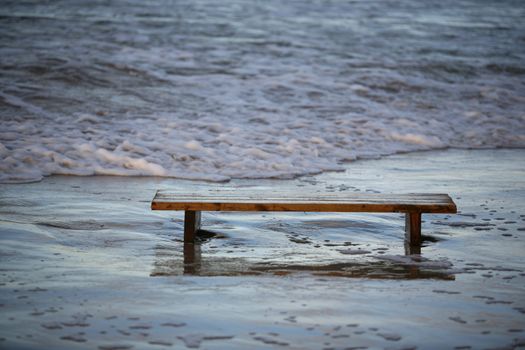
{"x": 413, "y": 228}
{"x": 192, "y": 223}
{"x": 263, "y": 201}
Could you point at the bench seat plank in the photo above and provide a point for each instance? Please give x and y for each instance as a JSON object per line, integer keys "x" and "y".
{"x": 362, "y": 202}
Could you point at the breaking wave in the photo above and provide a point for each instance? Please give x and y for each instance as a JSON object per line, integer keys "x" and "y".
{"x": 242, "y": 89}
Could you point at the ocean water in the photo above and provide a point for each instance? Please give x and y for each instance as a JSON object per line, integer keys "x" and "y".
{"x": 215, "y": 90}
{"x": 86, "y": 264}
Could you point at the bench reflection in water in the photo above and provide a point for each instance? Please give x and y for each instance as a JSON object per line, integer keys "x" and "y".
{"x": 169, "y": 262}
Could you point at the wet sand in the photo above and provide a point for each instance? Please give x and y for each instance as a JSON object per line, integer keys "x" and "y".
{"x": 85, "y": 263}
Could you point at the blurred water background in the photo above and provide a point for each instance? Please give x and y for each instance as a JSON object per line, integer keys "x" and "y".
{"x": 214, "y": 90}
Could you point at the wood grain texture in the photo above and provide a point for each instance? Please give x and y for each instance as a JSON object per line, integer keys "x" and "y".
{"x": 192, "y": 223}
{"x": 272, "y": 201}
{"x": 413, "y": 229}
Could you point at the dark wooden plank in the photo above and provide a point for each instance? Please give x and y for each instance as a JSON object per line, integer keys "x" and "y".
{"x": 258, "y": 194}
{"x": 197, "y": 198}
{"x": 428, "y": 203}
{"x": 315, "y": 196}
{"x": 301, "y": 201}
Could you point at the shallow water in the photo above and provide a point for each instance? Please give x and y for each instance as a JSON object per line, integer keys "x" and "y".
{"x": 241, "y": 89}
{"x": 86, "y": 264}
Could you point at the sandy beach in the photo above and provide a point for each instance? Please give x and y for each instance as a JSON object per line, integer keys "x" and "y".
{"x": 85, "y": 264}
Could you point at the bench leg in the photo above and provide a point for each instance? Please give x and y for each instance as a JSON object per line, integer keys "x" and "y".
{"x": 412, "y": 249}
{"x": 413, "y": 229}
{"x": 192, "y": 223}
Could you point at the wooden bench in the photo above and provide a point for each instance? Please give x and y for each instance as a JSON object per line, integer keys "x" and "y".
{"x": 413, "y": 205}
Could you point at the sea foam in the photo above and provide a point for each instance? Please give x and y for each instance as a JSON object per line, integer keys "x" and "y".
{"x": 251, "y": 90}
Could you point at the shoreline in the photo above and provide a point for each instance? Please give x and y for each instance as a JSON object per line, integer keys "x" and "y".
{"x": 346, "y": 163}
